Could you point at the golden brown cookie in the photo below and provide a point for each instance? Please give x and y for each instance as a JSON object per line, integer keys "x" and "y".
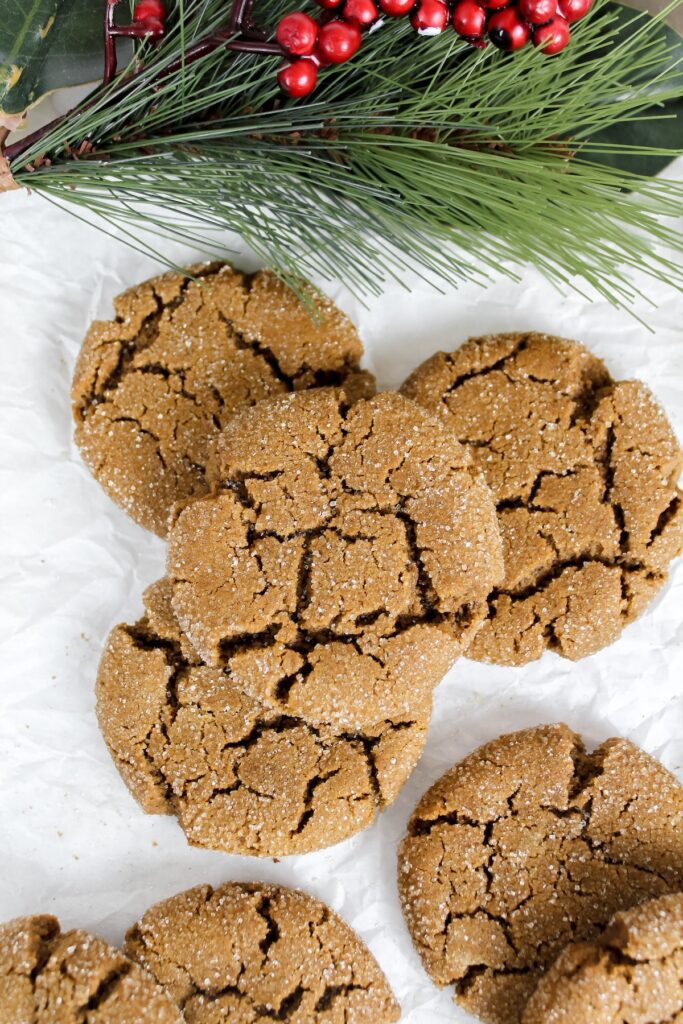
{"x": 154, "y": 386}
{"x": 631, "y": 974}
{"x": 47, "y": 977}
{"x": 346, "y": 547}
{"x": 239, "y": 775}
{"x": 526, "y": 845}
{"x": 584, "y": 472}
{"x": 256, "y": 952}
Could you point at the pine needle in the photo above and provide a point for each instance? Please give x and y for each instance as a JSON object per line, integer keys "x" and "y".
{"x": 420, "y": 155}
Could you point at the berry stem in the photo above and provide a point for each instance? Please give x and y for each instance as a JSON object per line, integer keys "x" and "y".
{"x": 240, "y": 14}
{"x": 109, "y": 42}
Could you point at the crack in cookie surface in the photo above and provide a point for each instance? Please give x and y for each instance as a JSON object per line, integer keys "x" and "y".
{"x": 528, "y": 844}
{"x": 344, "y": 562}
{"x": 631, "y": 974}
{"x": 74, "y": 978}
{"x": 242, "y": 776}
{"x": 255, "y": 952}
{"x": 153, "y": 387}
{"x": 584, "y": 471}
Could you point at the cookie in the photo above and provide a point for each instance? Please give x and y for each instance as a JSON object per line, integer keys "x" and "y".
{"x": 255, "y": 952}
{"x": 348, "y": 549}
{"x": 584, "y": 472}
{"x": 153, "y": 387}
{"x": 528, "y": 844}
{"x": 632, "y": 974}
{"x": 239, "y": 775}
{"x": 50, "y": 977}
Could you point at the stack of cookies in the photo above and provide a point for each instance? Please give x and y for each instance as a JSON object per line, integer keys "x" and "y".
{"x": 331, "y": 553}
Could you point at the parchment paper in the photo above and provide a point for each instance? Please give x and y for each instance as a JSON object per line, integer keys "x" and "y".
{"x": 73, "y": 842}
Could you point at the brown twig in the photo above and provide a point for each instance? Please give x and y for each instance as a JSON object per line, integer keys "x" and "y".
{"x": 7, "y": 182}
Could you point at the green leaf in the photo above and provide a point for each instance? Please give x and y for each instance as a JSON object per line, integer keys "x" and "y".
{"x": 27, "y": 34}
{"x": 664, "y": 133}
{"x": 658, "y": 128}
{"x": 76, "y": 54}
{"x": 47, "y": 45}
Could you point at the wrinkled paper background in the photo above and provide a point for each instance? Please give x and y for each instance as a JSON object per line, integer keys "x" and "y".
{"x": 72, "y": 840}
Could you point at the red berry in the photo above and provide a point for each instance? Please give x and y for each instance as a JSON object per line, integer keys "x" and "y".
{"x": 299, "y": 78}
{"x": 338, "y": 41}
{"x": 494, "y": 5}
{"x": 574, "y": 10}
{"x": 396, "y": 8}
{"x": 150, "y": 27}
{"x": 328, "y": 5}
{"x": 429, "y": 17}
{"x": 297, "y": 33}
{"x": 538, "y": 11}
{"x": 360, "y": 12}
{"x": 553, "y": 37}
{"x": 507, "y": 30}
{"x": 146, "y": 9}
{"x": 469, "y": 19}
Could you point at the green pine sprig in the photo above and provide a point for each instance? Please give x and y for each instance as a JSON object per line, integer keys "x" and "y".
{"x": 419, "y": 155}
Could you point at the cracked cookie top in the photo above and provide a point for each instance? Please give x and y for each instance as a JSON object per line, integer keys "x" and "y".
{"x": 153, "y": 387}
{"x": 584, "y": 473}
{"x": 528, "y": 844}
{"x": 344, "y": 561}
{"x": 633, "y": 974}
{"x": 255, "y": 952}
{"x": 47, "y": 977}
{"x": 242, "y": 776}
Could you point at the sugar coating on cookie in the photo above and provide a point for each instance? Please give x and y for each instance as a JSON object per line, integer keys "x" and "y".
{"x": 254, "y": 952}
{"x": 242, "y": 776}
{"x": 153, "y": 387}
{"x": 632, "y": 974}
{"x": 50, "y": 977}
{"x": 528, "y": 844}
{"x": 584, "y": 471}
{"x": 348, "y": 552}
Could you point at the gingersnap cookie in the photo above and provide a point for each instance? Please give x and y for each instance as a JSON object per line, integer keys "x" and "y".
{"x": 50, "y": 977}
{"x": 242, "y": 776}
{"x": 343, "y": 562}
{"x": 528, "y": 844}
{"x": 153, "y": 387}
{"x": 257, "y": 952}
{"x": 632, "y": 974}
{"x": 584, "y": 472}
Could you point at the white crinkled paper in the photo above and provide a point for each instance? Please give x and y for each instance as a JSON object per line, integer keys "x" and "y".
{"x": 73, "y": 842}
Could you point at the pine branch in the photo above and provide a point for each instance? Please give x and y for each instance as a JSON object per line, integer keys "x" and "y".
{"x": 416, "y": 145}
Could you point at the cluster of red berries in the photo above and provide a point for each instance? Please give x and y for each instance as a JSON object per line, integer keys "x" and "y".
{"x": 150, "y": 17}
{"x": 336, "y": 36}
{"x": 510, "y": 26}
